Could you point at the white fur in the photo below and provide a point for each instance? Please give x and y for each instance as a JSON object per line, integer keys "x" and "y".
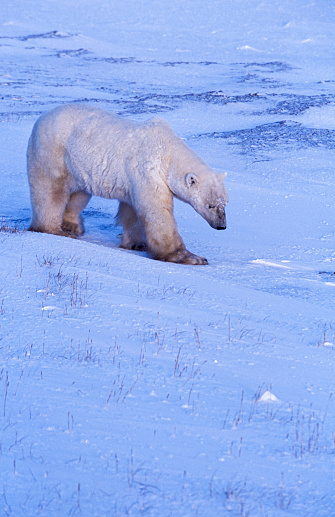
{"x": 76, "y": 151}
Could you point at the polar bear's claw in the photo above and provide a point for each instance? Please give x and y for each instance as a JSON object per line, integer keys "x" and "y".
{"x": 139, "y": 246}
{"x": 195, "y": 260}
{"x": 135, "y": 246}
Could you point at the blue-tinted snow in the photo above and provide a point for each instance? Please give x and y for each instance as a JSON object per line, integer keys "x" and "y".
{"x": 134, "y": 387}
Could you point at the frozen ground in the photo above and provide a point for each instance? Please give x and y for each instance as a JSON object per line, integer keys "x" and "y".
{"x": 134, "y": 387}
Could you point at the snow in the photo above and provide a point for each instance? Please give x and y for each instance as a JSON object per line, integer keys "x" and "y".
{"x": 134, "y": 387}
{"x": 268, "y": 397}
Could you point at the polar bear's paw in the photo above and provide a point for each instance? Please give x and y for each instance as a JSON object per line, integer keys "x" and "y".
{"x": 139, "y": 246}
{"x": 72, "y": 229}
{"x": 52, "y": 231}
{"x": 134, "y": 246}
{"x": 185, "y": 257}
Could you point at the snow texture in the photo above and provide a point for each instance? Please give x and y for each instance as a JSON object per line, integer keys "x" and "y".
{"x": 134, "y": 387}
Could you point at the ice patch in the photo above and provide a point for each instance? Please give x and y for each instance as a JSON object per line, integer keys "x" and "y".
{"x": 320, "y": 117}
{"x": 247, "y": 47}
{"x": 263, "y": 262}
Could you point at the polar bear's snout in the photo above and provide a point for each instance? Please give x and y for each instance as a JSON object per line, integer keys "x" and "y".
{"x": 217, "y": 216}
{"x": 221, "y": 215}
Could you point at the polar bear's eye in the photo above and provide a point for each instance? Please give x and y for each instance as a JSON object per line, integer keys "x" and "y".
{"x": 211, "y": 206}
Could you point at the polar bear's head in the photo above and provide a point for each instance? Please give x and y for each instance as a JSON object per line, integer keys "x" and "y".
{"x": 208, "y": 196}
{"x": 205, "y": 191}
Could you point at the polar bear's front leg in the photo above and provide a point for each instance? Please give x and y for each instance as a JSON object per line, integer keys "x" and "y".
{"x": 161, "y": 233}
{"x": 169, "y": 247}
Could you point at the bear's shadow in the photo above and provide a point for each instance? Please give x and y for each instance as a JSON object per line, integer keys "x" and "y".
{"x": 100, "y": 229}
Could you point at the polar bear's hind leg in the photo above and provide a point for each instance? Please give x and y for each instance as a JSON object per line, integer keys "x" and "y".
{"x": 49, "y": 199}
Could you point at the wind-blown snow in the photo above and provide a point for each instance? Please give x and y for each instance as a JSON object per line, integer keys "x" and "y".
{"x": 135, "y": 387}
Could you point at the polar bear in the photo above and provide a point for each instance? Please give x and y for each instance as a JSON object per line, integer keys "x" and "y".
{"x": 76, "y": 151}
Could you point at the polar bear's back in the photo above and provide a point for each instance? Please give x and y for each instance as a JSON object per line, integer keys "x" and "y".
{"x": 93, "y": 145}
{"x": 97, "y": 148}
{"x": 65, "y": 125}
{"x": 58, "y": 124}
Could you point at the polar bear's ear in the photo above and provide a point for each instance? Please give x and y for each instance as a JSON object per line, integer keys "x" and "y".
{"x": 191, "y": 179}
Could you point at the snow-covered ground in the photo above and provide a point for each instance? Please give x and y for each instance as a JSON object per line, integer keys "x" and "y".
{"x": 135, "y": 387}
